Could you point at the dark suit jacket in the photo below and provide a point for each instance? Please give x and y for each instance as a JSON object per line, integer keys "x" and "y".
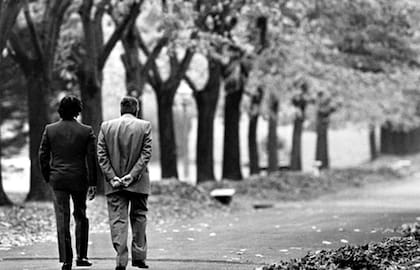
{"x": 67, "y": 155}
{"x": 125, "y": 147}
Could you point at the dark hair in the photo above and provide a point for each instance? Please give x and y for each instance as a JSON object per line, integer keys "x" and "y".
{"x": 69, "y": 108}
{"x": 129, "y": 105}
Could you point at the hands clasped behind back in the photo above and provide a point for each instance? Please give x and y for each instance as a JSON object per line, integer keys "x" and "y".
{"x": 122, "y": 182}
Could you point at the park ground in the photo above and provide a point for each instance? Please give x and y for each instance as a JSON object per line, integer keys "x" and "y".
{"x": 248, "y": 238}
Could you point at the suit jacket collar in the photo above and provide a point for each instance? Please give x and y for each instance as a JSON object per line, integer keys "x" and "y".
{"x": 128, "y": 115}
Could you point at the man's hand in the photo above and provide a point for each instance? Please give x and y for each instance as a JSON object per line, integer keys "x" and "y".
{"x": 127, "y": 180}
{"x": 116, "y": 182}
{"x": 91, "y": 193}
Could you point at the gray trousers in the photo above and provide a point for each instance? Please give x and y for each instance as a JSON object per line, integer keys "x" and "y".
{"x": 62, "y": 214}
{"x": 118, "y": 206}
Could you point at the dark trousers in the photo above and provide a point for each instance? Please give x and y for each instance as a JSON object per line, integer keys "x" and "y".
{"x": 62, "y": 214}
{"x": 118, "y": 205}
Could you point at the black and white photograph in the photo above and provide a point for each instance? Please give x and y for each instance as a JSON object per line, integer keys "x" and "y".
{"x": 210, "y": 134}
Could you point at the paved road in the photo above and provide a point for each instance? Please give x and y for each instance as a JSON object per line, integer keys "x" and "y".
{"x": 244, "y": 240}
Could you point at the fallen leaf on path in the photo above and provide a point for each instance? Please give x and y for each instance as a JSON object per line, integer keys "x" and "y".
{"x": 284, "y": 250}
{"x": 259, "y": 255}
{"x": 326, "y": 242}
{"x": 212, "y": 234}
{"x": 344, "y": 241}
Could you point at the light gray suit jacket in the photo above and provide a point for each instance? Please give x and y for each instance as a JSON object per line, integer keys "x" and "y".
{"x": 125, "y": 147}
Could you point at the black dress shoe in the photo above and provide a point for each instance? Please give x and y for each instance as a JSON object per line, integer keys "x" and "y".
{"x": 120, "y": 268}
{"x": 83, "y": 262}
{"x": 140, "y": 264}
{"x": 66, "y": 266}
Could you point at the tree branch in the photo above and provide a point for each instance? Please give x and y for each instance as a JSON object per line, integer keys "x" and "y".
{"x": 118, "y": 32}
{"x": 8, "y": 13}
{"x": 151, "y": 59}
{"x": 33, "y": 33}
{"x": 191, "y": 84}
{"x": 185, "y": 63}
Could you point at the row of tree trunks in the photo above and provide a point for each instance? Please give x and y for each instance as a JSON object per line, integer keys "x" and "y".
{"x": 206, "y": 100}
{"x": 231, "y": 149}
{"x": 398, "y": 142}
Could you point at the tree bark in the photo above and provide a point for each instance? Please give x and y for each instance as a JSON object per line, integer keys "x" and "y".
{"x": 372, "y": 143}
{"x": 272, "y": 142}
{"x": 167, "y": 139}
{"x": 206, "y": 100}
{"x": 91, "y": 95}
{"x": 4, "y": 200}
{"x": 254, "y": 160}
{"x": 231, "y": 150}
{"x": 296, "y": 156}
{"x": 134, "y": 81}
{"x": 322, "y": 141}
{"x": 37, "y": 93}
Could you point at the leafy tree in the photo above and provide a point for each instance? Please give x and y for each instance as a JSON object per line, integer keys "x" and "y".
{"x": 43, "y": 22}
{"x": 93, "y": 52}
{"x": 165, "y": 88}
{"x": 301, "y": 99}
{"x": 214, "y": 20}
{"x": 335, "y": 45}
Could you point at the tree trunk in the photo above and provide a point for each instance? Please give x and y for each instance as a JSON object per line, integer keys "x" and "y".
{"x": 296, "y": 156}
{"x": 322, "y": 141}
{"x": 372, "y": 142}
{"x": 37, "y": 91}
{"x": 231, "y": 149}
{"x": 133, "y": 80}
{"x": 254, "y": 161}
{"x": 4, "y": 200}
{"x": 91, "y": 96}
{"x": 206, "y": 100}
{"x": 272, "y": 143}
{"x": 167, "y": 140}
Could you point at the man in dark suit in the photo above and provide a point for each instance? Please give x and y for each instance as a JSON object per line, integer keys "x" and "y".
{"x": 124, "y": 150}
{"x": 67, "y": 146}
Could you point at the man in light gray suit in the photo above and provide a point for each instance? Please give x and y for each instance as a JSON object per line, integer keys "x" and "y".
{"x": 124, "y": 150}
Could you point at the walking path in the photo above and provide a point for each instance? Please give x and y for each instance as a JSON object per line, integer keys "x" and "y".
{"x": 246, "y": 240}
